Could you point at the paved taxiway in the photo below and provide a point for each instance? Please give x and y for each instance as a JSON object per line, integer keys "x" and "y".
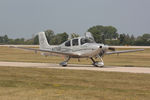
{"x": 77, "y": 67}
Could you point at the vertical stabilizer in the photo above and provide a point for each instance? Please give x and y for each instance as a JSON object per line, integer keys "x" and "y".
{"x": 43, "y": 41}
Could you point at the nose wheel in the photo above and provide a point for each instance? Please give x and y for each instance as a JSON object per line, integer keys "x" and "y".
{"x": 97, "y": 63}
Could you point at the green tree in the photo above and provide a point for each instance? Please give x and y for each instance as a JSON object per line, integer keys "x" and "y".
{"x": 143, "y": 40}
{"x": 124, "y": 39}
{"x": 146, "y": 36}
{"x": 36, "y": 40}
{"x": 132, "y": 40}
{"x": 100, "y": 33}
{"x": 64, "y": 37}
{"x": 59, "y": 38}
{"x": 49, "y": 35}
{"x": 5, "y": 39}
{"x": 121, "y": 39}
{"x": 112, "y": 42}
{"x": 74, "y": 35}
{"x": 29, "y": 42}
{"x": 19, "y": 41}
{"x": 1, "y": 39}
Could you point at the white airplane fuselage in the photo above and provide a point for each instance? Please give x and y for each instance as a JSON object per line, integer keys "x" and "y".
{"x": 79, "y": 49}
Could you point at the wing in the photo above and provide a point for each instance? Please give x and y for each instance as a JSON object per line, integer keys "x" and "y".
{"x": 48, "y": 51}
{"x": 56, "y": 53}
{"x": 123, "y": 51}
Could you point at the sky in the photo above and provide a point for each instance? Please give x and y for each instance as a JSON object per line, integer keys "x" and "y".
{"x": 25, "y": 18}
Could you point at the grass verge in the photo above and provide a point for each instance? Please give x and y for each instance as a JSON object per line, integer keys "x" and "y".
{"x": 55, "y": 84}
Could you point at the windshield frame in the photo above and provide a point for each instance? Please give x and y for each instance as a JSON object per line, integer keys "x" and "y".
{"x": 86, "y": 40}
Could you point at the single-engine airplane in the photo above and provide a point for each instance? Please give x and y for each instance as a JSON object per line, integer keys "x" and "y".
{"x": 80, "y": 47}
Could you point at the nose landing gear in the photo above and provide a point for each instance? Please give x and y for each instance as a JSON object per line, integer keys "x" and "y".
{"x": 96, "y": 63}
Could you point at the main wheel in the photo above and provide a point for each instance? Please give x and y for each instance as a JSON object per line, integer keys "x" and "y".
{"x": 63, "y": 64}
{"x": 98, "y": 64}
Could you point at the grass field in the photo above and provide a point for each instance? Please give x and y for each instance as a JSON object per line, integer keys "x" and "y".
{"x": 56, "y": 84}
{"x": 139, "y": 59}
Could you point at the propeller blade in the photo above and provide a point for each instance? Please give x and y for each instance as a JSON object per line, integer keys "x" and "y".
{"x": 111, "y": 48}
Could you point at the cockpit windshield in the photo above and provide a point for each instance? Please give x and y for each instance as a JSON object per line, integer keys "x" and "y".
{"x": 86, "y": 40}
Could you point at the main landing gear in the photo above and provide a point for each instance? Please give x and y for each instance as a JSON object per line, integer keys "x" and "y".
{"x": 96, "y": 63}
{"x": 64, "y": 64}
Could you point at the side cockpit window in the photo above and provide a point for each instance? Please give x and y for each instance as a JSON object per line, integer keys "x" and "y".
{"x": 68, "y": 44}
{"x": 75, "y": 42}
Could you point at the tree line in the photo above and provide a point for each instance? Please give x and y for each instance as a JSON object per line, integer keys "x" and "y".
{"x": 102, "y": 34}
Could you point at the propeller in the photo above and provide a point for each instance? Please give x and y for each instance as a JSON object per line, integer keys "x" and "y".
{"x": 111, "y": 48}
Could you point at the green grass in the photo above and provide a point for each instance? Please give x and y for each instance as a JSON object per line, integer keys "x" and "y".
{"x": 140, "y": 59}
{"x": 56, "y": 84}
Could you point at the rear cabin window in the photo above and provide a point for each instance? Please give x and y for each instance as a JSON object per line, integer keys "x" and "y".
{"x": 75, "y": 42}
{"x": 67, "y": 44}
